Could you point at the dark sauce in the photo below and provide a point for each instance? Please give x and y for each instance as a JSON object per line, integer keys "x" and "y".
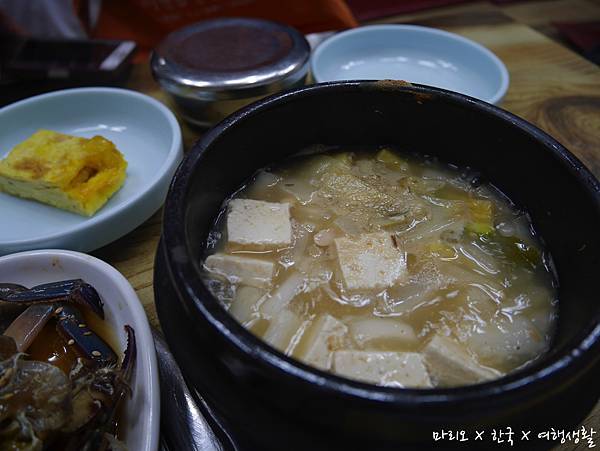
{"x": 50, "y": 347}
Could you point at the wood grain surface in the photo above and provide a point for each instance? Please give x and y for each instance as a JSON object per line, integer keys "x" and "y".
{"x": 550, "y": 86}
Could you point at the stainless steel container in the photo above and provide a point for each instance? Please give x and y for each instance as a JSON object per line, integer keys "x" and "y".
{"x": 215, "y": 67}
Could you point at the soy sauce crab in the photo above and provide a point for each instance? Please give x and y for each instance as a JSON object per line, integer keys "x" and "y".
{"x": 41, "y": 405}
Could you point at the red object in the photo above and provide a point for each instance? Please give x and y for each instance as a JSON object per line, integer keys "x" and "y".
{"x": 584, "y": 35}
{"x": 373, "y": 9}
{"x": 147, "y": 22}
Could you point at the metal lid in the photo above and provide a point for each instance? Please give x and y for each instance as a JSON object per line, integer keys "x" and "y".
{"x": 230, "y": 58}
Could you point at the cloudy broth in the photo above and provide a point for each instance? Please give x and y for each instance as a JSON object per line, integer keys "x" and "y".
{"x": 385, "y": 268}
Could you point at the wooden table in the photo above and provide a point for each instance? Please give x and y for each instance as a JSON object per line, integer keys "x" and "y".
{"x": 550, "y": 86}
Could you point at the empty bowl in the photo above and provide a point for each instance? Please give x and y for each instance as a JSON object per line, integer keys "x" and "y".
{"x": 416, "y": 54}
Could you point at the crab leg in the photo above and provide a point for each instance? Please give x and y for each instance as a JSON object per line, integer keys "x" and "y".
{"x": 71, "y": 326}
{"x": 101, "y": 421}
{"x": 76, "y": 291}
{"x": 128, "y": 364}
{"x": 28, "y": 325}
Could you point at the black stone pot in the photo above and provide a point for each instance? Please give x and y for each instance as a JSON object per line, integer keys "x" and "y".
{"x": 273, "y": 402}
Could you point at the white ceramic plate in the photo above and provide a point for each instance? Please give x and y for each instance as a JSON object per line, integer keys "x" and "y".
{"x": 416, "y": 54}
{"x": 121, "y": 307}
{"x": 142, "y": 128}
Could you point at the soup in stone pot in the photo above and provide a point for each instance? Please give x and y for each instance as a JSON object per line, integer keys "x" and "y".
{"x": 384, "y": 267}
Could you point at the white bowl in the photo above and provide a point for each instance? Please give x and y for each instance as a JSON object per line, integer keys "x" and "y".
{"x": 121, "y": 307}
{"x": 412, "y": 53}
{"x": 142, "y": 128}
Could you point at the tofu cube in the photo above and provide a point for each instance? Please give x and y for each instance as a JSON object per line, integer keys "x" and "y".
{"x": 450, "y": 364}
{"x": 324, "y": 337}
{"x": 254, "y": 224}
{"x": 241, "y": 270}
{"x": 370, "y": 261}
{"x": 282, "y": 329}
{"x": 395, "y": 369}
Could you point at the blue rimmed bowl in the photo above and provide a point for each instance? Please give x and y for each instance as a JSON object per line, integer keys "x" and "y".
{"x": 142, "y": 128}
{"x": 413, "y": 53}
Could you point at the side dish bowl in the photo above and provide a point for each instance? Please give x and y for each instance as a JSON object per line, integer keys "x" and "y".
{"x": 413, "y": 53}
{"x": 270, "y": 399}
{"x": 141, "y": 413}
{"x": 142, "y": 128}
